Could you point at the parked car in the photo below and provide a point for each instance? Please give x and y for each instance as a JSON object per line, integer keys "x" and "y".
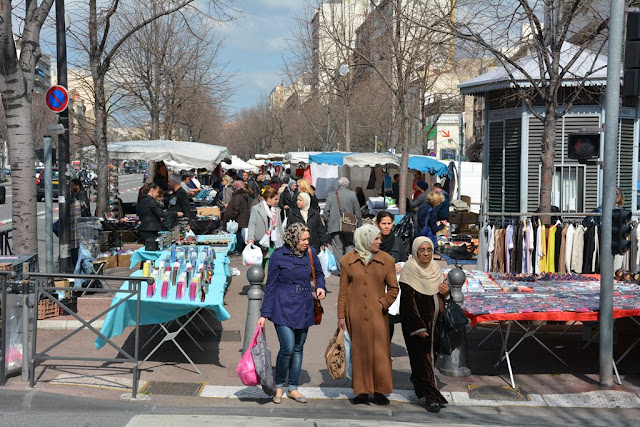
{"x": 40, "y": 184}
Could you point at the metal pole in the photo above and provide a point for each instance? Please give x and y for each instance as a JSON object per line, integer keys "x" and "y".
{"x": 64, "y": 190}
{"x": 461, "y": 147}
{"x": 616, "y": 24}
{"x": 255, "y": 275}
{"x": 25, "y": 331}
{"x": 48, "y": 203}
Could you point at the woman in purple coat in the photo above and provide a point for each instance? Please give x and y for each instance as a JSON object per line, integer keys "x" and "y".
{"x": 289, "y": 303}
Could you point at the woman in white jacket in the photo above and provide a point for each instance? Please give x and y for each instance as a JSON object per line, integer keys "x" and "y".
{"x": 265, "y": 225}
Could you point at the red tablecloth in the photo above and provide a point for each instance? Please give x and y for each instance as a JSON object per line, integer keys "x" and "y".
{"x": 563, "y": 316}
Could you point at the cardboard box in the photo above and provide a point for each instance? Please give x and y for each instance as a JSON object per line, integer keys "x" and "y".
{"x": 208, "y": 210}
{"x": 132, "y": 246}
{"x": 64, "y": 283}
{"x": 124, "y": 260}
{"x": 110, "y": 261}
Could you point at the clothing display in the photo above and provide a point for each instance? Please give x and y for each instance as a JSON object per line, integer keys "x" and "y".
{"x": 564, "y": 247}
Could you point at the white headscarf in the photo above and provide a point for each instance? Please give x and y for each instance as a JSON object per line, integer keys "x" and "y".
{"x": 364, "y": 237}
{"x": 423, "y": 278}
{"x": 306, "y": 203}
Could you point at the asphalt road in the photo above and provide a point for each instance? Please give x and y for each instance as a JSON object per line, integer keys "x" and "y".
{"x": 128, "y": 187}
{"x": 37, "y": 408}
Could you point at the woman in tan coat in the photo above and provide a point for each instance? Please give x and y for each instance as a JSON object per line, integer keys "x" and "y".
{"x": 362, "y": 310}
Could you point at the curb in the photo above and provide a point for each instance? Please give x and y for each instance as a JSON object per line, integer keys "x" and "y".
{"x": 65, "y": 325}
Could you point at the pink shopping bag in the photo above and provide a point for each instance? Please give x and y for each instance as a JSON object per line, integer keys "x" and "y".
{"x": 246, "y": 369}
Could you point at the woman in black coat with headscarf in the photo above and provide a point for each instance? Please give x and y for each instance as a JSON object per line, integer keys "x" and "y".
{"x": 391, "y": 245}
{"x": 307, "y": 215}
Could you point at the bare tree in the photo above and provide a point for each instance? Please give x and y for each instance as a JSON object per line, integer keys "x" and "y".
{"x": 16, "y": 89}
{"x": 101, "y": 45}
{"x": 549, "y": 27}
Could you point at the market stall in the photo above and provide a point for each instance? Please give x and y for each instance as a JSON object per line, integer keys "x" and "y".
{"x": 528, "y": 302}
{"x": 238, "y": 164}
{"x": 190, "y": 278}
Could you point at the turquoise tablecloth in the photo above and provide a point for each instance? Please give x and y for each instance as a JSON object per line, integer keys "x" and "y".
{"x": 156, "y": 310}
{"x": 143, "y": 255}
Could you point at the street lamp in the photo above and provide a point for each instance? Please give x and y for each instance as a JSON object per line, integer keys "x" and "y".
{"x": 344, "y": 71}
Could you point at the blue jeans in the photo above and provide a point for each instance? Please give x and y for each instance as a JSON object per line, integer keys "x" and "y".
{"x": 290, "y": 355}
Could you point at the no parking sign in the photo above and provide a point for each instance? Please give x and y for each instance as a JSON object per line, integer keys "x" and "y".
{"x": 57, "y": 98}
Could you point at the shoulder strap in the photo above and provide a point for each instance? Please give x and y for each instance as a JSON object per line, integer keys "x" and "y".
{"x": 313, "y": 269}
{"x": 338, "y": 200}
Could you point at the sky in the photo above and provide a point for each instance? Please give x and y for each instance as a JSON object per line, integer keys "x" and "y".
{"x": 254, "y": 47}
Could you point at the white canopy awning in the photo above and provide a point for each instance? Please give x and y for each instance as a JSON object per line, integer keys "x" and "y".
{"x": 238, "y": 164}
{"x": 296, "y": 157}
{"x": 197, "y": 154}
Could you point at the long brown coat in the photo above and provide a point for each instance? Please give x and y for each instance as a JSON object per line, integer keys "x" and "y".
{"x": 362, "y": 290}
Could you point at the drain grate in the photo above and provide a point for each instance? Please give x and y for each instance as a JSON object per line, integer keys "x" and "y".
{"x": 495, "y": 392}
{"x": 172, "y": 389}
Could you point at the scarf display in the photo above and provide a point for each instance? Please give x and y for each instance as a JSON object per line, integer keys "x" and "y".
{"x": 424, "y": 279}
{"x": 293, "y": 235}
{"x": 306, "y": 203}
{"x": 364, "y": 237}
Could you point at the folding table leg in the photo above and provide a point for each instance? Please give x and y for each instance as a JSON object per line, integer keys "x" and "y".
{"x": 171, "y": 336}
{"x": 489, "y": 336}
{"x": 567, "y": 328}
{"x": 206, "y": 324}
{"x": 615, "y": 370}
{"x": 158, "y": 330}
{"x": 189, "y": 334}
{"x": 505, "y": 340}
{"x": 513, "y": 383}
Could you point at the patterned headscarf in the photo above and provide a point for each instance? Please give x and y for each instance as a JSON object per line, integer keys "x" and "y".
{"x": 293, "y": 235}
{"x": 364, "y": 237}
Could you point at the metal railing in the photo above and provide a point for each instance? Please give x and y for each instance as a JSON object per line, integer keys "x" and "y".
{"x": 4, "y": 275}
{"x": 5, "y": 247}
{"x": 44, "y": 287}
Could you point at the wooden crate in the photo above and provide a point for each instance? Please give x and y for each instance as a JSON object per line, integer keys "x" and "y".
{"x": 47, "y": 309}
{"x": 208, "y": 210}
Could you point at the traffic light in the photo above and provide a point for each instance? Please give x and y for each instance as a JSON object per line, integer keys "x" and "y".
{"x": 619, "y": 231}
{"x": 584, "y": 146}
{"x": 631, "y": 82}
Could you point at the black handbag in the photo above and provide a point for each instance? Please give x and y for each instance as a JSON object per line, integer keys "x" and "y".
{"x": 453, "y": 318}
{"x": 449, "y": 340}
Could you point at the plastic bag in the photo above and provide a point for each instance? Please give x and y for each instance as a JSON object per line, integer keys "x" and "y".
{"x": 232, "y": 227}
{"x": 246, "y": 369}
{"x": 394, "y": 309}
{"x": 334, "y": 355}
{"x": 262, "y": 360}
{"x": 324, "y": 262}
{"x": 347, "y": 354}
{"x": 251, "y": 255}
{"x": 331, "y": 259}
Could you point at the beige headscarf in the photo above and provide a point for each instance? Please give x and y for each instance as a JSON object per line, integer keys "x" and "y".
{"x": 364, "y": 237}
{"x": 424, "y": 279}
{"x": 306, "y": 203}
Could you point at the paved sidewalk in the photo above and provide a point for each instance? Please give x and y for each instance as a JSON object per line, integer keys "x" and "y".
{"x": 541, "y": 380}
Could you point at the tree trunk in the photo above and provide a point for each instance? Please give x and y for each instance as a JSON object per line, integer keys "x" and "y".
{"x": 405, "y": 130}
{"x": 547, "y": 160}
{"x": 101, "y": 145}
{"x": 17, "y": 105}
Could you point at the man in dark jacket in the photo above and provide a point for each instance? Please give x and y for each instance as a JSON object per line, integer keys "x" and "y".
{"x": 341, "y": 243}
{"x": 179, "y": 201}
{"x": 238, "y": 211}
{"x": 252, "y": 186}
{"x": 288, "y": 197}
{"x": 81, "y": 196}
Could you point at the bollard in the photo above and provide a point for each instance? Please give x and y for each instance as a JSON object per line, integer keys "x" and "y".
{"x": 255, "y": 276}
{"x": 455, "y": 364}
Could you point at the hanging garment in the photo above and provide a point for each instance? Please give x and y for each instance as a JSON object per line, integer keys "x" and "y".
{"x": 595, "y": 261}
{"x": 556, "y": 260}
{"x": 543, "y": 248}
{"x": 635, "y": 243}
{"x": 499, "y": 256}
{"x": 538, "y": 259}
{"x": 530, "y": 247}
{"x": 569, "y": 247}
{"x": 561, "y": 264}
{"x": 578, "y": 249}
{"x": 492, "y": 245}
{"x": 551, "y": 250}
{"x": 518, "y": 237}
{"x": 508, "y": 236}
{"x": 589, "y": 249}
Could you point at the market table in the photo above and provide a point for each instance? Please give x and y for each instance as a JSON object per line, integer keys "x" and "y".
{"x": 513, "y": 308}
{"x": 156, "y": 310}
{"x": 144, "y": 255}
